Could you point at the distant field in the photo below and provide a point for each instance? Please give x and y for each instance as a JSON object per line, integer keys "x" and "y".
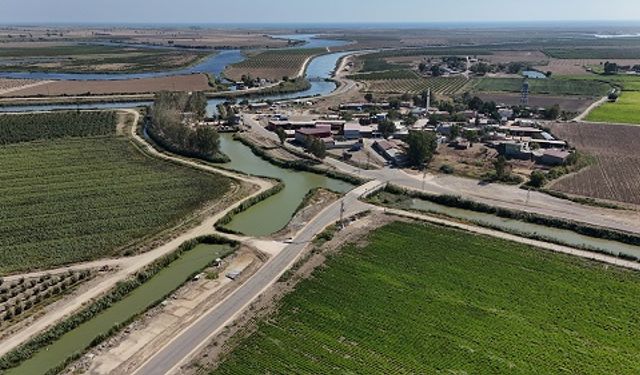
{"x": 94, "y": 58}
{"x": 626, "y": 82}
{"x": 631, "y": 52}
{"x": 419, "y": 299}
{"x": 408, "y": 82}
{"x": 616, "y": 174}
{"x": 272, "y": 65}
{"x": 191, "y": 82}
{"x": 83, "y": 193}
{"x": 625, "y": 111}
{"x": 542, "y": 86}
{"x": 439, "y": 85}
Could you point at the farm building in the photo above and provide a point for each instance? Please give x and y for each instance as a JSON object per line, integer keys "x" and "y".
{"x": 321, "y": 132}
{"x": 515, "y": 150}
{"x": 357, "y": 131}
{"x": 553, "y": 157}
{"x": 390, "y": 151}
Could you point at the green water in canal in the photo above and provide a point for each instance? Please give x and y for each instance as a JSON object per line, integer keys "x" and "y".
{"x": 138, "y": 301}
{"x": 273, "y": 213}
{"x": 563, "y": 236}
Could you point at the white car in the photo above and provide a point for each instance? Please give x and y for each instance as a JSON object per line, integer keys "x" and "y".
{"x": 289, "y": 240}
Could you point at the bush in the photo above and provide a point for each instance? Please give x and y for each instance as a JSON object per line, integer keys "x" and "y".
{"x": 447, "y": 169}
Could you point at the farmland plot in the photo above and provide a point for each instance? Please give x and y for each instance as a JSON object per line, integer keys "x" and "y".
{"x": 86, "y": 193}
{"x": 406, "y": 81}
{"x": 624, "y": 111}
{"x": 543, "y": 86}
{"x": 420, "y": 299}
{"x": 272, "y": 65}
{"x": 616, "y": 174}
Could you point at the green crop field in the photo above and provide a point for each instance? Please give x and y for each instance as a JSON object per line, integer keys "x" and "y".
{"x": 625, "y": 82}
{"x": 421, "y": 299}
{"x": 543, "y": 86}
{"x": 631, "y": 52}
{"x": 74, "y": 199}
{"x": 625, "y": 111}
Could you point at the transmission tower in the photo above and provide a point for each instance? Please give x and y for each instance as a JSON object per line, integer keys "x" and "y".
{"x": 524, "y": 100}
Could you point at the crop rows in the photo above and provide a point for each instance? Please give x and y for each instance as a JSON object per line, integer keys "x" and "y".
{"x": 439, "y": 85}
{"x": 272, "y": 64}
{"x": 30, "y": 127}
{"x": 24, "y": 295}
{"x": 616, "y": 173}
{"x": 422, "y": 300}
{"x": 73, "y": 200}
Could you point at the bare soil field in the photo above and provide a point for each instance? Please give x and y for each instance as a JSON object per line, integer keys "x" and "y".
{"x": 10, "y": 85}
{"x": 578, "y": 66}
{"x": 505, "y": 57}
{"x": 193, "y": 82}
{"x": 616, "y": 174}
{"x": 475, "y": 162}
{"x": 570, "y": 104}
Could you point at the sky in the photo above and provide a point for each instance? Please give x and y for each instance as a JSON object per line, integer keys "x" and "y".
{"x": 305, "y": 11}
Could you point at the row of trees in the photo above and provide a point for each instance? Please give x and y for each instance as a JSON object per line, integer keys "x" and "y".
{"x": 174, "y": 117}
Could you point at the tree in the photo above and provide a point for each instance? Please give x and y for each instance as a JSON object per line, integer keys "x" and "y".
{"x": 475, "y": 103}
{"x": 454, "y": 132}
{"x": 500, "y": 165}
{"x": 537, "y": 179}
{"x": 552, "y": 113}
{"x": 316, "y": 147}
{"x": 422, "y": 146}
{"x": 368, "y": 97}
{"x": 205, "y": 141}
{"x": 386, "y": 128}
{"x": 410, "y": 120}
{"x": 610, "y": 68}
{"x": 471, "y": 136}
{"x": 436, "y": 71}
{"x": 281, "y": 135}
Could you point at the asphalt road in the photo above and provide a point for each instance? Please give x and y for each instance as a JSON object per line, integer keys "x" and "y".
{"x": 187, "y": 343}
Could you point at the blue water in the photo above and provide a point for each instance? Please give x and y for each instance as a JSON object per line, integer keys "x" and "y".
{"x": 320, "y": 69}
{"x": 534, "y": 74}
{"x": 312, "y": 41}
{"x": 213, "y": 64}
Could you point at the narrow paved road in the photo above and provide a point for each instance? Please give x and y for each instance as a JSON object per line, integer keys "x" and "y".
{"x": 192, "y": 339}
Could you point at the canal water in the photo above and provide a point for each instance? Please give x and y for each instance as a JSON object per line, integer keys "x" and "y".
{"x": 273, "y": 213}
{"x": 563, "y": 236}
{"x": 138, "y": 301}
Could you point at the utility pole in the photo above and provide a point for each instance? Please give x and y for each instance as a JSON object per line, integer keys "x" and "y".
{"x": 424, "y": 179}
